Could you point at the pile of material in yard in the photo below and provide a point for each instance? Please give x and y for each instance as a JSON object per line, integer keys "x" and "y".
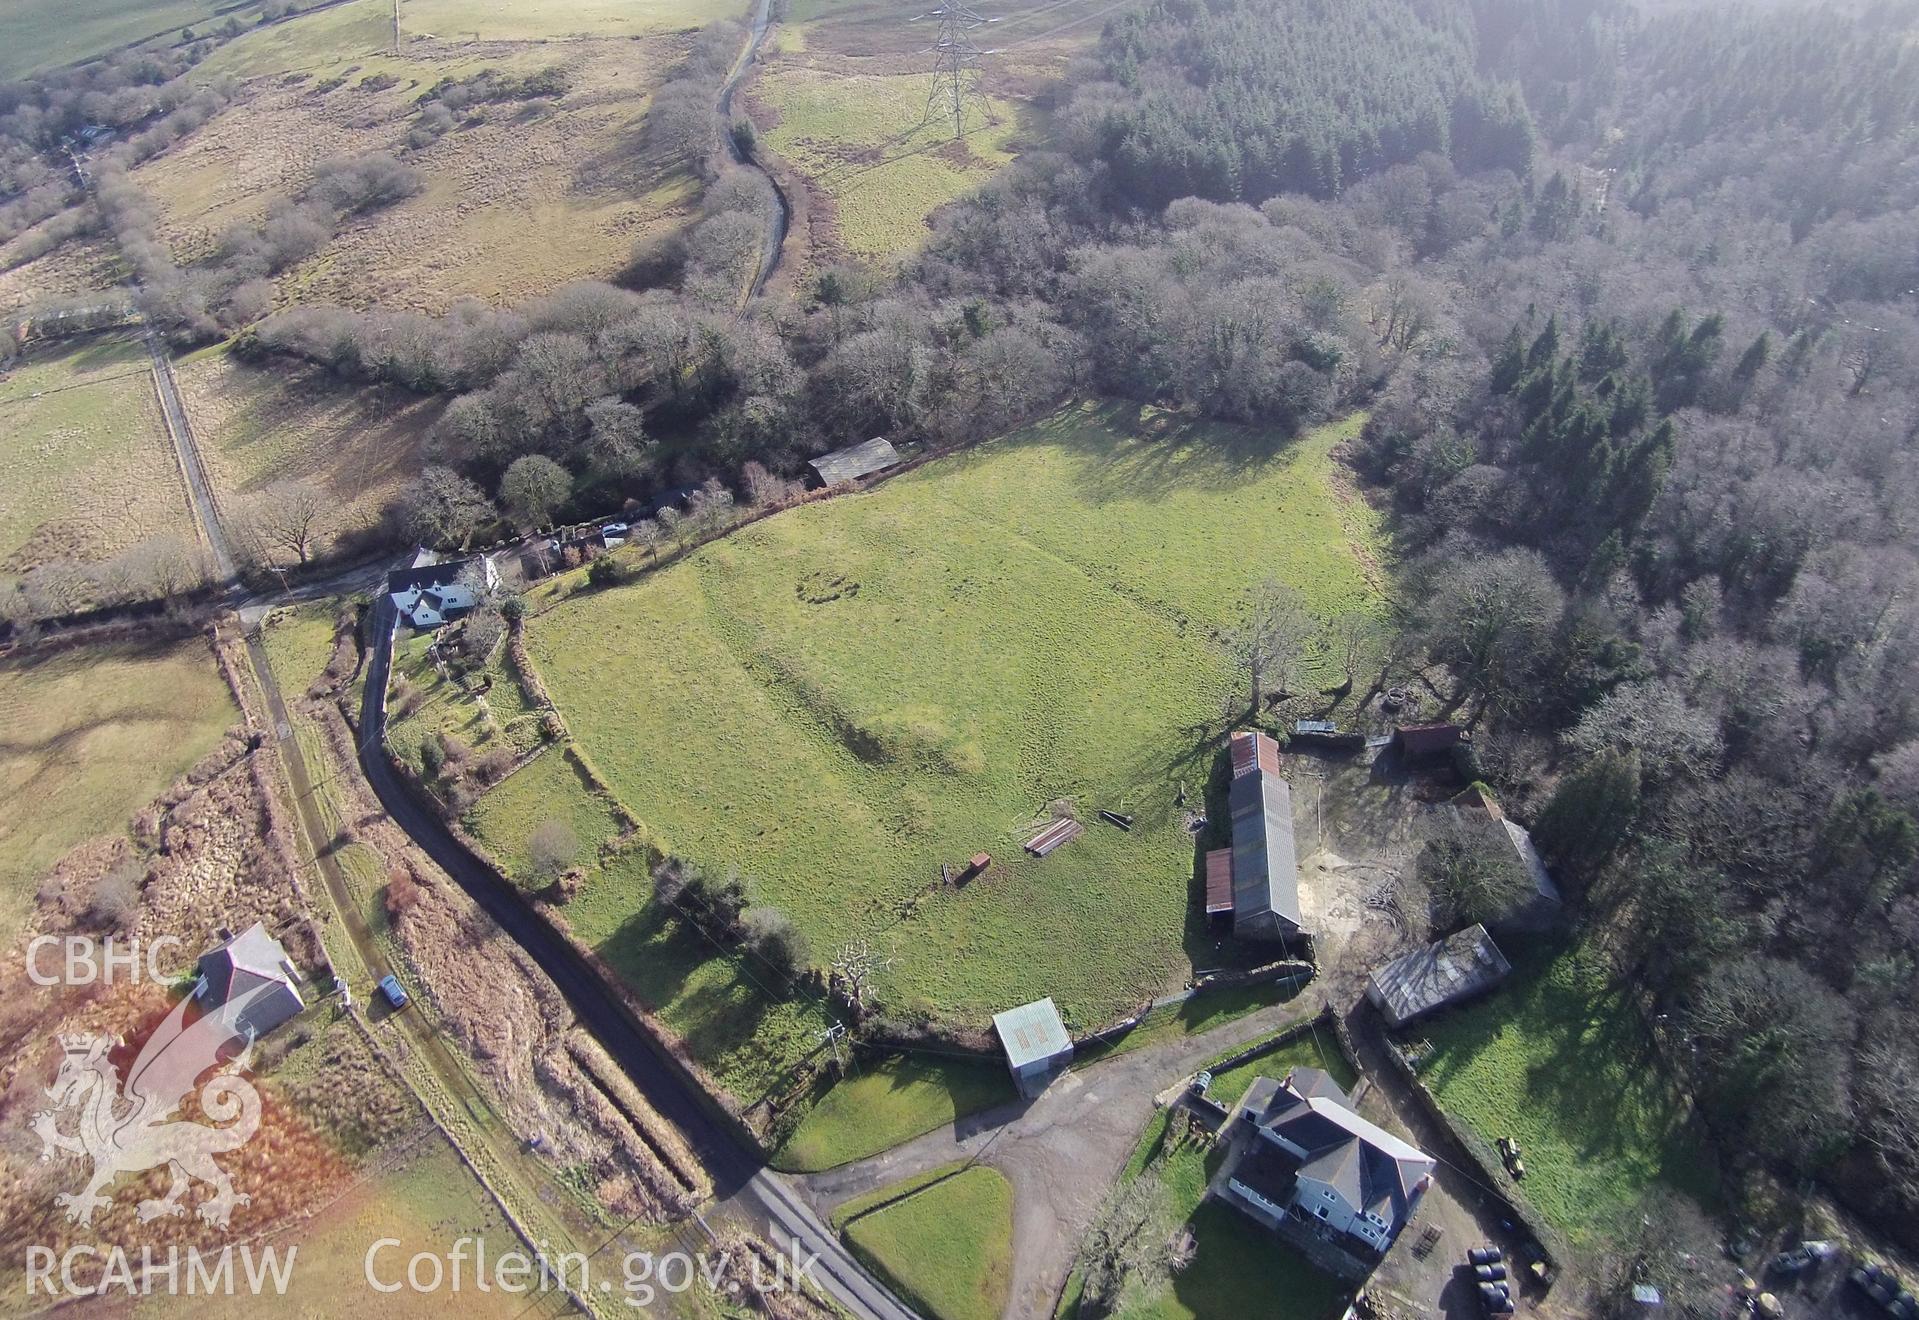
{"x": 1053, "y": 836}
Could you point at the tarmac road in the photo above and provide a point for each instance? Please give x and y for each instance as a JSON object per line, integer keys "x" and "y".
{"x": 740, "y": 1178}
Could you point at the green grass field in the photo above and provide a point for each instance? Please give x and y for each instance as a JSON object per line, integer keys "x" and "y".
{"x": 537, "y": 20}
{"x": 40, "y": 34}
{"x": 89, "y": 468}
{"x": 1557, "y": 1060}
{"x": 861, "y": 138}
{"x": 550, "y": 788}
{"x": 87, "y": 738}
{"x": 838, "y": 699}
{"x": 946, "y": 1248}
{"x": 1308, "y": 1051}
{"x": 883, "y": 1105}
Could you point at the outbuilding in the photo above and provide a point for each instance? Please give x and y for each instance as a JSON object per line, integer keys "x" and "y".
{"x": 1449, "y": 971}
{"x": 1428, "y": 744}
{"x": 855, "y": 461}
{"x": 1265, "y": 865}
{"x": 1036, "y": 1044}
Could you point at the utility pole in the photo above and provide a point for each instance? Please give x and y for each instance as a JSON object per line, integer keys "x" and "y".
{"x": 956, "y": 65}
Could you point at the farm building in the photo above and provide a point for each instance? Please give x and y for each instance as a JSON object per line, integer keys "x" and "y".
{"x": 1428, "y": 744}
{"x": 1449, "y": 971}
{"x": 855, "y": 461}
{"x": 250, "y": 981}
{"x": 1335, "y": 1185}
{"x": 428, "y": 594}
{"x": 1036, "y": 1044}
{"x": 1265, "y": 867}
{"x": 1543, "y": 908}
{"x": 1219, "y": 882}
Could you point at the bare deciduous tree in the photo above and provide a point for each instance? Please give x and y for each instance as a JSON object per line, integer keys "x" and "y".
{"x": 286, "y": 516}
{"x": 1269, "y": 642}
{"x": 1131, "y": 1242}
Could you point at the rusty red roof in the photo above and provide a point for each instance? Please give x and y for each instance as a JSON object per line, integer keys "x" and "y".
{"x": 1219, "y": 881}
{"x": 1252, "y": 751}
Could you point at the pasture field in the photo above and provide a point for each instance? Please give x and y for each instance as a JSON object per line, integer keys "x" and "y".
{"x": 87, "y": 738}
{"x": 520, "y": 197}
{"x": 42, "y": 34}
{"x": 539, "y": 20}
{"x": 862, "y": 142}
{"x": 947, "y": 1247}
{"x": 257, "y": 426}
{"x": 1305, "y": 1051}
{"x": 1558, "y": 1061}
{"x": 427, "y": 1200}
{"x": 89, "y": 467}
{"x": 841, "y": 98}
{"x": 549, "y": 788}
{"x": 884, "y": 1104}
{"x": 839, "y": 699}
{"x": 743, "y": 1027}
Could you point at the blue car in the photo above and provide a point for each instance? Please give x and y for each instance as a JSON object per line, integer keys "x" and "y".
{"x": 395, "y": 992}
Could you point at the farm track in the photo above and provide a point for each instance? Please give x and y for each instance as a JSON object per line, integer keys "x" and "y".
{"x": 206, "y": 511}
{"x": 774, "y": 236}
{"x": 482, "y": 1140}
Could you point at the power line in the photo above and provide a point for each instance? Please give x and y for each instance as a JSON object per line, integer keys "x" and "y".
{"x": 1084, "y": 18}
{"x": 956, "y": 65}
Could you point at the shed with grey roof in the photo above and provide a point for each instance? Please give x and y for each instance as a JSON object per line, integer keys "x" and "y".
{"x": 1449, "y": 971}
{"x": 855, "y": 461}
{"x": 1036, "y": 1043}
{"x": 1265, "y": 865}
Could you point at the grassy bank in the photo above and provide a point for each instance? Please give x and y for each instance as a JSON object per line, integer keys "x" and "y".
{"x": 944, "y": 1241}
{"x": 1558, "y": 1060}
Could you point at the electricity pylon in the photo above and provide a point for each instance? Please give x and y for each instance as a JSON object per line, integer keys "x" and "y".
{"x": 956, "y": 65}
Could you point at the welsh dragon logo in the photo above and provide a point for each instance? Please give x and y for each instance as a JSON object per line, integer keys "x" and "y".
{"x": 130, "y": 1131}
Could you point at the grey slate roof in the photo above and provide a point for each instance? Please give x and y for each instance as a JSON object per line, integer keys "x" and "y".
{"x": 251, "y": 979}
{"x": 1368, "y": 1166}
{"x": 855, "y": 461}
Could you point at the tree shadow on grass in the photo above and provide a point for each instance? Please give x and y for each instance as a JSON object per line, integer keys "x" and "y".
{"x": 1129, "y": 452}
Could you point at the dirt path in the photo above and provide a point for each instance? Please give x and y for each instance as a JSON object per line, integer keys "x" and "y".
{"x": 773, "y": 237}
{"x": 1062, "y": 1151}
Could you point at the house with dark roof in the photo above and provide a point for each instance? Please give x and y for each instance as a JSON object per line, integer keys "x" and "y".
{"x": 855, "y": 461}
{"x": 1334, "y": 1184}
{"x": 250, "y": 981}
{"x": 1449, "y": 971}
{"x": 1265, "y": 867}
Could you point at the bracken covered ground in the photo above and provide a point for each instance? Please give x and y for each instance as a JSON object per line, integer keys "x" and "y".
{"x": 840, "y": 698}
{"x": 87, "y": 737}
{"x": 520, "y": 197}
{"x": 257, "y": 426}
